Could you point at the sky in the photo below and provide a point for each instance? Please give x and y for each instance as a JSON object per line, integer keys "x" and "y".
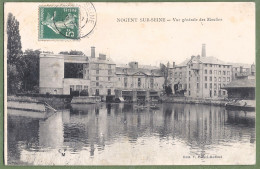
{"x": 231, "y": 40}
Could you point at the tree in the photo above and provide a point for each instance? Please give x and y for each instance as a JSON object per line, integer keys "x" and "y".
{"x": 29, "y": 70}
{"x": 164, "y": 70}
{"x": 14, "y": 53}
{"x": 72, "y": 52}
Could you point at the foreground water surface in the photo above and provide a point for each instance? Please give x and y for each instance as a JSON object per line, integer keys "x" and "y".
{"x": 120, "y": 134}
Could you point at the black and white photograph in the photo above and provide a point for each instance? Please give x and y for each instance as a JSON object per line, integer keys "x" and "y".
{"x": 137, "y": 83}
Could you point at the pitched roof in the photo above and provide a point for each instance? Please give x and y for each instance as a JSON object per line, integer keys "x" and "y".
{"x": 241, "y": 64}
{"x": 241, "y": 83}
{"x": 212, "y": 60}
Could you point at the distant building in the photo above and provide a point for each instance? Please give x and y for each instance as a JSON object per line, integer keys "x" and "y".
{"x": 241, "y": 71}
{"x": 63, "y": 74}
{"x": 202, "y": 76}
{"x": 241, "y": 89}
{"x": 135, "y": 82}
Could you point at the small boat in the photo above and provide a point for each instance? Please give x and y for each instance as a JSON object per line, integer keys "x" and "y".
{"x": 154, "y": 107}
{"x": 245, "y": 105}
{"x": 140, "y": 107}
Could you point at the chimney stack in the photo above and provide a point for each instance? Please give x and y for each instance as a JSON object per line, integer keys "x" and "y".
{"x": 173, "y": 64}
{"x": 93, "y": 52}
{"x": 203, "y": 52}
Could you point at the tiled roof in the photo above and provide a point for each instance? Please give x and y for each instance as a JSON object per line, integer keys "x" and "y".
{"x": 241, "y": 83}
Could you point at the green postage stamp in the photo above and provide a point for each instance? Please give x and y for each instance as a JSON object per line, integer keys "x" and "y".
{"x": 58, "y": 22}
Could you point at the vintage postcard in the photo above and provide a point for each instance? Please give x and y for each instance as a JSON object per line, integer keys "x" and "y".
{"x": 102, "y": 83}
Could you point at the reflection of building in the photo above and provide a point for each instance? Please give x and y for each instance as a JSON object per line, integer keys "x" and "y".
{"x": 138, "y": 82}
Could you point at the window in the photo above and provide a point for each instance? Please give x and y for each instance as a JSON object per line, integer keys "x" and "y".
{"x": 85, "y": 87}
{"x": 109, "y": 72}
{"x": 228, "y": 79}
{"x": 109, "y": 66}
{"x": 71, "y": 87}
{"x": 189, "y": 73}
{"x": 219, "y": 72}
{"x": 180, "y": 74}
{"x": 151, "y": 82}
{"x": 224, "y": 79}
{"x": 206, "y": 71}
{"x": 206, "y": 78}
{"x": 210, "y": 79}
{"x": 198, "y": 79}
{"x": 219, "y": 86}
{"x": 97, "y": 94}
{"x": 210, "y": 65}
{"x": 215, "y": 93}
{"x": 219, "y": 92}
{"x": 228, "y": 72}
{"x": 215, "y": 72}
{"x": 189, "y": 85}
{"x": 224, "y": 92}
{"x": 97, "y": 78}
{"x": 109, "y": 78}
{"x": 206, "y": 65}
{"x": 125, "y": 82}
{"x": 210, "y": 72}
{"x": 215, "y": 79}
{"x": 97, "y": 71}
{"x": 108, "y": 92}
{"x": 224, "y": 72}
{"x": 139, "y": 82}
{"x": 219, "y": 79}
{"x": 78, "y": 87}
{"x": 210, "y": 85}
{"x": 206, "y": 85}
{"x": 198, "y": 85}
{"x": 97, "y": 84}
{"x": 219, "y": 66}
{"x": 215, "y": 86}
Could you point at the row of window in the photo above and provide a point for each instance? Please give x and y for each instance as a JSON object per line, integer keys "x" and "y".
{"x": 217, "y": 72}
{"x": 108, "y": 78}
{"x": 224, "y": 79}
{"x": 211, "y": 65}
{"x": 78, "y": 87}
{"x": 97, "y": 72}
{"x": 215, "y": 85}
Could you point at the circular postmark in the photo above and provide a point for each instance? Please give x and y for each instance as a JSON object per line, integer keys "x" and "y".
{"x": 76, "y": 25}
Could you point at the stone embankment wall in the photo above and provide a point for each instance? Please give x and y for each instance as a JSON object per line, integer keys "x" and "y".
{"x": 56, "y": 103}
{"x": 187, "y": 100}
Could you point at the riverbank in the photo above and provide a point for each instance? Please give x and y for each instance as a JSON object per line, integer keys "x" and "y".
{"x": 188, "y": 100}
{"x": 55, "y": 102}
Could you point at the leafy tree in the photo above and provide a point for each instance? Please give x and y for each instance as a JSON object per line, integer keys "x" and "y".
{"x": 164, "y": 69}
{"x": 14, "y": 53}
{"x": 168, "y": 90}
{"x": 29, "y": 70}
{"x": 72, "y": 52}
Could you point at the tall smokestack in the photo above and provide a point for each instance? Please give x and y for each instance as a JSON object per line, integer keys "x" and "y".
{"x": 203, "y": 52}
{"x": 93, "y": 52}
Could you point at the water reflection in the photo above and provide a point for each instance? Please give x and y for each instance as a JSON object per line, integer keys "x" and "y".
{"x": 122, "y": 134}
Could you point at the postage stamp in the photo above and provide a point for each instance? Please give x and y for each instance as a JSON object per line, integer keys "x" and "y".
{"x": 59, "y": 22}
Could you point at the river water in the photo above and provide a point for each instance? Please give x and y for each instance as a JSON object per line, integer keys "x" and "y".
{"x": 120, "y": 134}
